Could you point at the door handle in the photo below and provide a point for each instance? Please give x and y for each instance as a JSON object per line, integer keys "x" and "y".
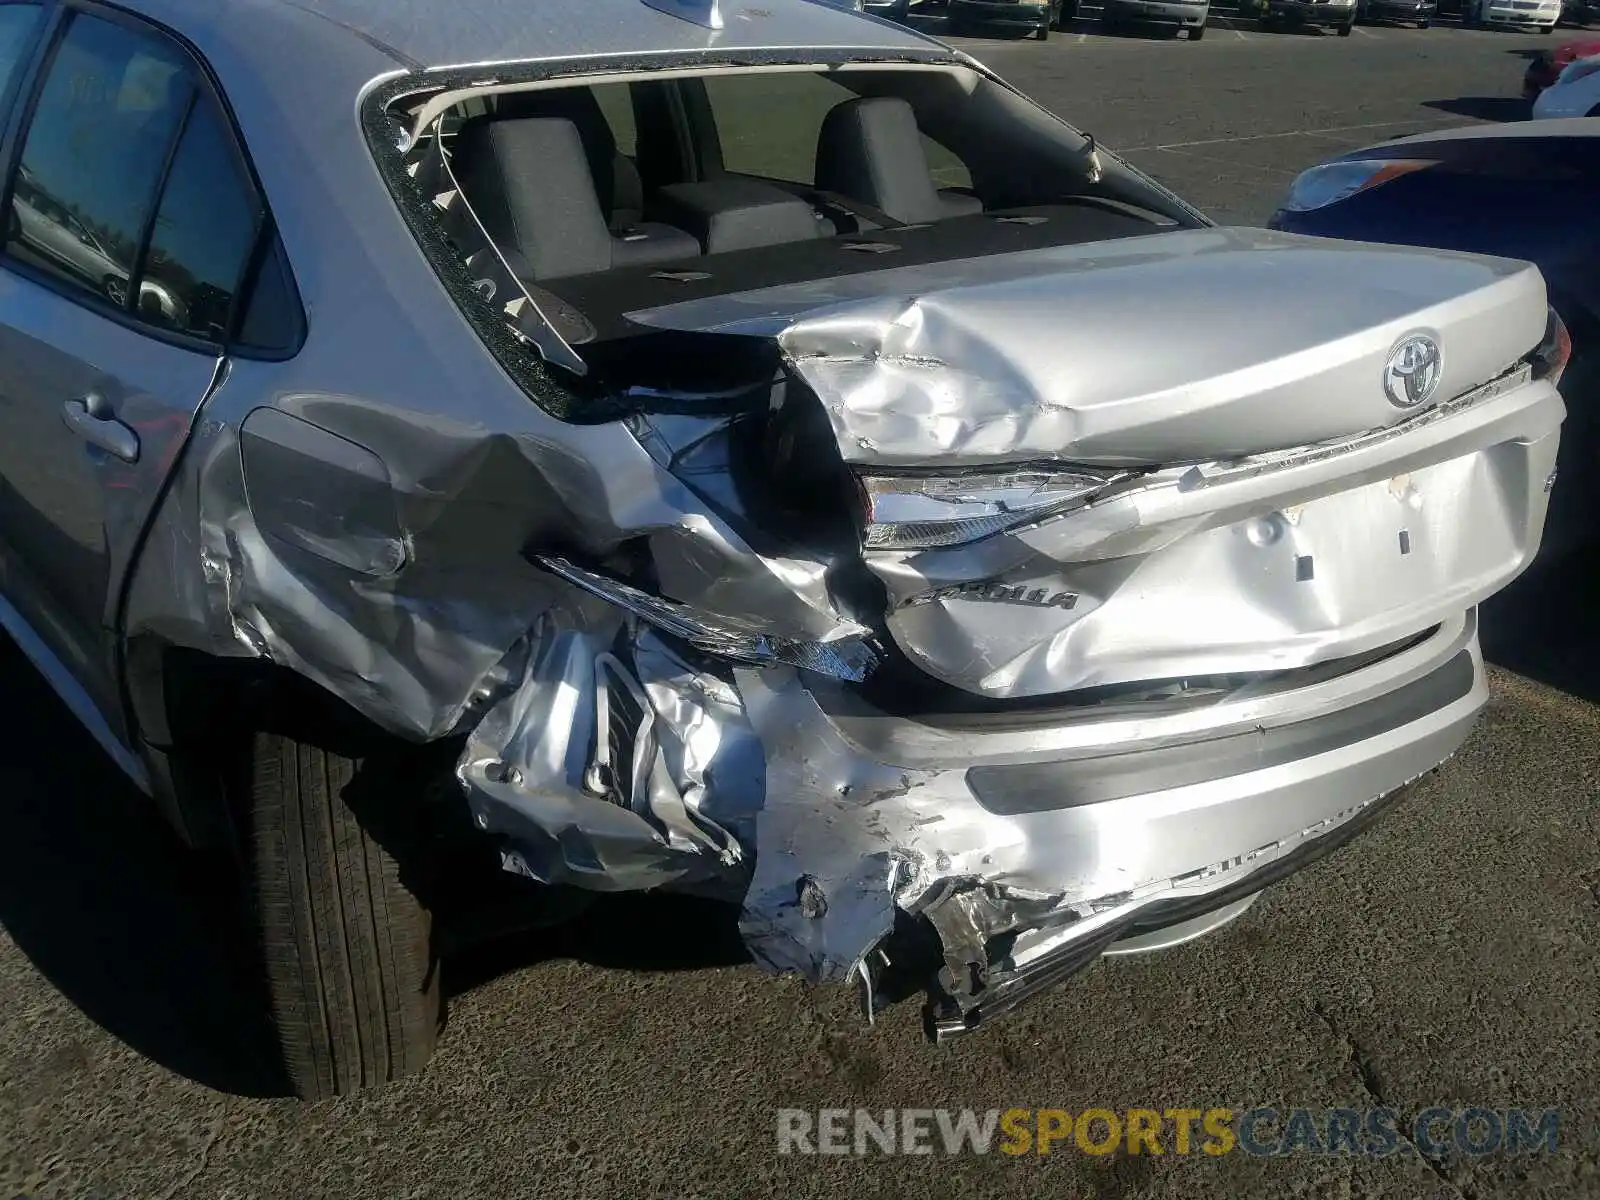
{"x": 88, "y": 419}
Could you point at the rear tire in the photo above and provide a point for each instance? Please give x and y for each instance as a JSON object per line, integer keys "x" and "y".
{"x": 1198, "y": 32}
{"x": 1347, "y": 30}
{"x": 347, "y": 947}
{"x": 1423, "y": 24}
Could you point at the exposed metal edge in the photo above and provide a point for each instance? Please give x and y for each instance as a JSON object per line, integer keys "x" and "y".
{"x": 1271, "y": 462}
{"x": 72, "y": 694}
{"x": 1075, "y": 956}
{"x": 544, "y": 335}
{"x": 1184, "y": 931}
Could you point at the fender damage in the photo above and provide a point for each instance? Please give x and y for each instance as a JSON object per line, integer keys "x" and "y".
{"x": 659, "y": 685}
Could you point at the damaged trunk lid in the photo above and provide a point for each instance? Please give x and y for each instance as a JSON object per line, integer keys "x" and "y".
{"x": 1164, "y": 458}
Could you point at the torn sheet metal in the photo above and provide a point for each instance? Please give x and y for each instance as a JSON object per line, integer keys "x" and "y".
{"x": 1280, "y": 573}
{"x": 596, "y": 770}
{"x": 391, "y": 552}
{"x": 384, "y": 555}
{"x": 848, "y": 654}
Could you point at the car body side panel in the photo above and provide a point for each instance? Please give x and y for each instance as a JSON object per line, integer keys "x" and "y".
{"x": 450, "y": 628}
{"x": 72, "y": 512}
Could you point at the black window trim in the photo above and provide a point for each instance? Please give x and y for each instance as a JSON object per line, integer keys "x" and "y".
{"x": 22, "y": 102}
{"x": 22, "y": 84}
{"x": 158, "y": 192}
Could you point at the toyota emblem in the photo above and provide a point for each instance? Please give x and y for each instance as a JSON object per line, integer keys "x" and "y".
{"x": 1411, "y": 375}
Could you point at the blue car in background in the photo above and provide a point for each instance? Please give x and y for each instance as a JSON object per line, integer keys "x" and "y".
{"x": 1527, "y": 190}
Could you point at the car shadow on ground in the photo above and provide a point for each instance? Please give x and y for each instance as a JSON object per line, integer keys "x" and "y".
{"x": 1485, "y": 108}
{"x": 148, "y": 939}
{"x": 143, "y": 936}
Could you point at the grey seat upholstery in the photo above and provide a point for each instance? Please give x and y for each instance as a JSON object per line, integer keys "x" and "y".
{"x": 530, "y": 183}
{"x": 870, "y": 151}
{"x": 616, "y": 178}
{"x": 736, "y": 214}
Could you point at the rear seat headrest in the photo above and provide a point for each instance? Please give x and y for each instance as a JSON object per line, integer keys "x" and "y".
{"x": 616, "y": 181}
{"x": 870, "y": 150}
{"x": 530, "y": 183}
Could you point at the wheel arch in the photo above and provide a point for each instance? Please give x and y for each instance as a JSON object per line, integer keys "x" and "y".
{"x": 192, "y": 714}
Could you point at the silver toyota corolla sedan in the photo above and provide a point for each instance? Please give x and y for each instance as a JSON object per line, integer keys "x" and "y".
{"x": 744, "y": 448}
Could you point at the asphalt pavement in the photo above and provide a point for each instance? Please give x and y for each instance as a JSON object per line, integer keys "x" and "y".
{"x": 1450, "y": 957}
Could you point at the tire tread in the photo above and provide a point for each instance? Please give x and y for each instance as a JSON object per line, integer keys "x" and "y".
{"x": 345, "y": 944}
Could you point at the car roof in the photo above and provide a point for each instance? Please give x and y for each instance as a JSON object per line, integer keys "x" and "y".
{"x": 1565, "y": 127}
{"x": 431, "y": 34}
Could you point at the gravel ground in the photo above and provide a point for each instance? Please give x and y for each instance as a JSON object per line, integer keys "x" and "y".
{"x": 1446, "y": 958}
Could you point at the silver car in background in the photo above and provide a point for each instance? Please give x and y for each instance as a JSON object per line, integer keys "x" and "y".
{"x": 741, "y": 448}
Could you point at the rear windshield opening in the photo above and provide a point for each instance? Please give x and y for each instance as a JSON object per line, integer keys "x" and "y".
{"x": 599, "y": 201}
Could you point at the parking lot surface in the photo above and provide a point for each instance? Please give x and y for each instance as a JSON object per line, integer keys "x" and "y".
{"x": 1449, "y": 957}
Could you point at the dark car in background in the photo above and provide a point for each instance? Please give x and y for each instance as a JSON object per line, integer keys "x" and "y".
{"x": 1525, "y": 190}
{"x": 1039, "y": 16}
{"x": 1338, "y": 15}
{"x": 1189, "y": 15}
{"x": 1421, "y": 12}
{"x": 1580, "y": 12}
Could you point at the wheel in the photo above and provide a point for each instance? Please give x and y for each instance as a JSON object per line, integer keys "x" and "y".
{"x": 1198, "y": 32}
{"x": 1548, "y": 29}
{"x": 347, "y": 948}
{"x": 116, "y": 290}
{"x": 1424, "y": 23}
{"x": 1347, "y": 29}
{"x": 1043, "y": 32}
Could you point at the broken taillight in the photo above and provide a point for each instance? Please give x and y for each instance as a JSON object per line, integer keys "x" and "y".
{"x": 1554, "y": 353}
{"x": 922, "y": 512}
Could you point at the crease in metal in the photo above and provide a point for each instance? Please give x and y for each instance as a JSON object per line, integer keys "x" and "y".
{"x": 706, "y": 732}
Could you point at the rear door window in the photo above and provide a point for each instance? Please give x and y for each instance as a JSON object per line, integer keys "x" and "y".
{"x": 204, "y": 233}
{"x": 94, "y": 156}
{"x": 132, "y": 189}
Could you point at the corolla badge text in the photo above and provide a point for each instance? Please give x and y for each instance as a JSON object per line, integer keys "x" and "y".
{"x": 998, "y": 593}
{"x": 1411, "y": 375}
